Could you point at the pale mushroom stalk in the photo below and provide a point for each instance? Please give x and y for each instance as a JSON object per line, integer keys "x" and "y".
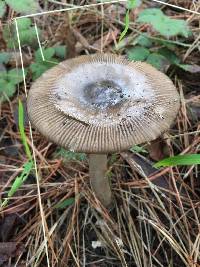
{"x": 99, "y": 182}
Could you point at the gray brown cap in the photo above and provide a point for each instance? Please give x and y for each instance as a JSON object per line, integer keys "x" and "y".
{"x": 102, "y": 103}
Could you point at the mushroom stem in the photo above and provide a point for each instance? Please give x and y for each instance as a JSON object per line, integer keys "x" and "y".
{"x": 99, "y": 182}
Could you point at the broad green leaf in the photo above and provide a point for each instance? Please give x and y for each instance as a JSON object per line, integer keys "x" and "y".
{"x": 8, "y": 82}
{"x": 27, "y": 34}
{"x": 163, "y": 24}
{"x": 143, "y": 40}
{"x": 60, "y": 51}
{"x": 3, "y": 75}
{"x": 15, "y": 76}
{"x": 48, "y": 54}
{"x": 6, "y": 89}
{"x": 158, "y": 61}
{"x": 4, "y": 57}
{"x": 24, "y": 6}
{"x": 23, "y": 23}
{"x": 138, "y": 53}
{"x": 39, "y": 68}
{"x": 173, "y": 59}
{"x": 2, "y": 8}
{"x": 190, "y": 68}
{"x": 21, "y": 129}
{"x": 170, "y": 55}
{"x": 65, "y": 203}
{"x": 191, "y": 159}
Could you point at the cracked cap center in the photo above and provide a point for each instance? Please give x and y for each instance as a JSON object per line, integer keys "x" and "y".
{"x": 103, "y": 94}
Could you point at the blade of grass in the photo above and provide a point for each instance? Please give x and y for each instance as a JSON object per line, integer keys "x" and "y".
{"x": 65, "y": 203}
{"x": 126, "y": 26}
{"x": 18, "y": 181}
{"x": 21, "y": 129}
{"x": 191, "y": 159}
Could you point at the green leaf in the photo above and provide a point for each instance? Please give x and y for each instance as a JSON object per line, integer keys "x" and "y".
{"x": 158, "y": 61}
{"x": 40, "y": 65}
{"x": 48, "y": 54}
{"x": 4, "y": 57}
{"x": 21, "y": 129}
{"x": 163, "y": 24}
{"x": 24, "y": 23}
{"x": 65, "y": 203}
{"x": 39, "y": 68}
{"x": 191, "y": 159}
{"x": 60, "y": 51}
{"x": 170, "y": 55}
{"x": 138, "y": 53}
{"x": 2, "y": 8}
{"x": 24, "y": 6}
{"x": 6, "y": 89}
{"x": 15, "y": 76}
{"x": 8, "y": 82}
{"x": 133, "y": 4}
{"x": 18, "y": 181}
{"x": 27, "y": 34}
{"x": 69, "y": 155}
{"x": 3, "y": 75}
{"x": 138, "y": 149}
{"x": 126, "y": 26}
{"x": 144, "y": 40}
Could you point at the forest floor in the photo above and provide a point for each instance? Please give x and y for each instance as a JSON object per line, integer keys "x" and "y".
{"x": 51, "y": 217}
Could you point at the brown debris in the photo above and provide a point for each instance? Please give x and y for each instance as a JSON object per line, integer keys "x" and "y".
{"x": 10, "y": 250}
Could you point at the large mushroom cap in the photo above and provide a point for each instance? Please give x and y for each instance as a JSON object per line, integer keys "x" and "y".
{"x": 102, "y": 103}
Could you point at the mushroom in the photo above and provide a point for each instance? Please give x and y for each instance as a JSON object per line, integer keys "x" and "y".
{"x": 99, "y": 104}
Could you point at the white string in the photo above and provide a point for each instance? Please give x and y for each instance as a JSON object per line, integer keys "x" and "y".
{"x": 70, "y": 8}
{"x": 178, "y": 7}
{"x": 34, "y": 156}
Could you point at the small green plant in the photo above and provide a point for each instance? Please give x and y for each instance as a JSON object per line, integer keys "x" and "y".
{"x": 4, "y": 57}
{"x": 27, "y": 167}
{"x": 19, "y": 180}
{"x": 27, "y": 33}
{"x": 163, "y": 24}
{"x": 2, "y": 8}
{"x": 144, "y": 46}
{"x": 69, "y": 155}
{"x": 24, "y": 6}
{"x": 42, "y": 64}
{"x": 191, "y": 159}
{"x": 8, "y": 82}
{"x": 138, "y": 149}
{"x": 159, "y": 59}
{"x": 22, "y": 130}
{"x": 130, "y": 5}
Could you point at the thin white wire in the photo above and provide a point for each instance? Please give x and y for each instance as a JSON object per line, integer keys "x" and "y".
{"x": 99, "y": 4}
{"x": 70, "y": 8}
{"x": 34, "y": 156}
{"x": 178, "y": 7}
{"x": 37, "y": 34}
